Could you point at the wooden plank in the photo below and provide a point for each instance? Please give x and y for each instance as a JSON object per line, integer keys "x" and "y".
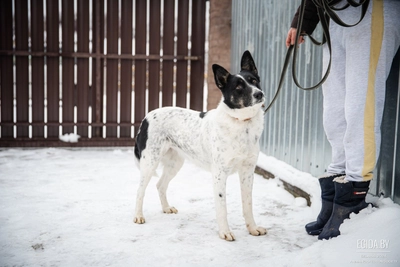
{"x": 264, "y": 173}
{"x": 126, "y": 66}
{"x": 55, "y": 142}
{"x": 37, "y": 67}
{"x": 88, "y": 55}
{"x": 83, "y": 66}
{"x": 112, "y": 67}
{"x": 6, "y": 68}
{"x": 22, "y": 64}
{"x": 182, "y": 49}
{"x": 296, "y": 192}
{"x": 53, "y": 70}
{"x": 97, "y": 66}
{"x": 154, "y": 66}
{"x": 292, "y": 189}
{"x": 68, "y": 87}
{"x": 128, "y": 124}
{"x": 140, "y": 65}
{"x": 168, "y": 49}
{"x": 198, "y": 43}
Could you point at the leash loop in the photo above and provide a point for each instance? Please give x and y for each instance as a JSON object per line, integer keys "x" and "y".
{"x": 326, "y": 11}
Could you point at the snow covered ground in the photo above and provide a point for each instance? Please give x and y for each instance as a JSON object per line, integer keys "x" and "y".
{"x": 74, "y": 207}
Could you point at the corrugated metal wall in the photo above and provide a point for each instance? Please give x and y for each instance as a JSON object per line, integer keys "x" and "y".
{"x": 293, "y": 127}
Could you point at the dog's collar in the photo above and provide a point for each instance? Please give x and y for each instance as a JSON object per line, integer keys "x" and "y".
{"x": 243, "y": 114}
{"x": 243, "y": 120}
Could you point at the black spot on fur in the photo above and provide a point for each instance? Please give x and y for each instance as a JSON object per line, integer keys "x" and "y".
{"x": 203, "y": 114}
{"x": 220, "y": 195}
{"x": 141, "y": 139}
{"x": 237, "y": 93}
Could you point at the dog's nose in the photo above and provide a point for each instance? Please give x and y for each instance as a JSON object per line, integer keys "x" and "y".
{"x": 258, "y": 95}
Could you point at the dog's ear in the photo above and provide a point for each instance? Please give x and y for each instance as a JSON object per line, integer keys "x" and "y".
{"x": 220, "y": 75}
{"x": 247, "y": 63}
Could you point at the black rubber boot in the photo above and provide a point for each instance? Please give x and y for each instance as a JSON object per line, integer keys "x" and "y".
{"x": 349, "y": 198}
{"x": 327, "y": 195}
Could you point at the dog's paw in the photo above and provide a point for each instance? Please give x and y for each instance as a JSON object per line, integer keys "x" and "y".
{"x": 228, "y": 236}
{"x": 170, "y": 210}
{"x": 257, "y": 230}
{"x": 139, "y": 220}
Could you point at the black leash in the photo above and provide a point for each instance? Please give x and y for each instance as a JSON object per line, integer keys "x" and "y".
{"x": 326, "y": 11}
{"x": 283, "y": 73}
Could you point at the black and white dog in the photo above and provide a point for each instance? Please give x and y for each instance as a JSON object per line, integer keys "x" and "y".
{"x": 224, "y": 141}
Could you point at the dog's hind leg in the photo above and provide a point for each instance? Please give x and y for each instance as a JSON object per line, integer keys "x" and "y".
{"x": 147, "y": 169}
{"x": 172, "y": 164}
{"x": 144, "y": 181}
{"x": 246, "y": 185}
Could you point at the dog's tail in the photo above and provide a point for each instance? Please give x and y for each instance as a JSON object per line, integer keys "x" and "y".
{"x": 137, "y": 161}
{"x": 137, "y": 157}
{"x": 141, "y": 140}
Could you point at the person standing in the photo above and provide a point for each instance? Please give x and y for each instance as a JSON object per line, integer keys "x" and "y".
{"x": 353, "y": 102}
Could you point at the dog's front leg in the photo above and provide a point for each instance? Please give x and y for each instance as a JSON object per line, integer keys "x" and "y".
{"x": 246, "y": 185}
{"x": 220, "y": 206}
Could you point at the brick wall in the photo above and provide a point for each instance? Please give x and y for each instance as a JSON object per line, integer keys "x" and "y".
{"x": 219, "y": 45}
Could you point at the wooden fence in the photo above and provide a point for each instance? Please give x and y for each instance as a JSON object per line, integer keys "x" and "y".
{"x": 96, "y": 67}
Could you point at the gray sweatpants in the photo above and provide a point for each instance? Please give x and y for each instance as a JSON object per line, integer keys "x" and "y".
{"x": 354, "y": 93}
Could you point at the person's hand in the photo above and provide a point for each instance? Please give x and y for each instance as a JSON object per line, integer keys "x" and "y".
{"x": 290, "y": 39}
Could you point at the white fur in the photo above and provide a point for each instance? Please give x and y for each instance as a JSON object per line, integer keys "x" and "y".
{"x": 224, "y": 142}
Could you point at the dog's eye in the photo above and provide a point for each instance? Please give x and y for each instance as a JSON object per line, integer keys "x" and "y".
{"x": 239, "y": 85}
{"x": 253, "y": 81}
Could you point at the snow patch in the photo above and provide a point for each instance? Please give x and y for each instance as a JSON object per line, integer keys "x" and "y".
{"x": 74, "y": 207}
{"x": 69, "y": 138}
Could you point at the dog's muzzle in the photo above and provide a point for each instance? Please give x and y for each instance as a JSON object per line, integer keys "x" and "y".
{"x": 259, "y": 96}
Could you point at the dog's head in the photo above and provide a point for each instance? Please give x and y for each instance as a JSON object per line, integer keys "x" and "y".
{"x": 240, "y": 90}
